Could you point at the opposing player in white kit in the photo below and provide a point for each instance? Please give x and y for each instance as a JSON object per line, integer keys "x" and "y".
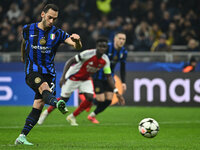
{"x": 76, "y": 75}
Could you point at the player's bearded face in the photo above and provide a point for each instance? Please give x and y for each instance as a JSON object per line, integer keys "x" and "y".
{"x": 49, "y": 18}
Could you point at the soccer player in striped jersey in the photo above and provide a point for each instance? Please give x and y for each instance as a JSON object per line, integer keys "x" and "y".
{"x": 38, "y": 49}
{"x": 104, "y": 93}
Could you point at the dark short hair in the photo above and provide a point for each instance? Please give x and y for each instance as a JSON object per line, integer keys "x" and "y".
{"x": 120, "y": 32}
{"x": 50, "y": 6}
{"x": 102, "y": 39}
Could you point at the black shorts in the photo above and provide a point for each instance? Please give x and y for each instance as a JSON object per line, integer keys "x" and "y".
{"x": 35, "y": 79}
{"x": 101, "y": 86}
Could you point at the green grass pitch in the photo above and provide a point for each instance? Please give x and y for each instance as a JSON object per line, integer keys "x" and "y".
{"x": 118, "y": 129}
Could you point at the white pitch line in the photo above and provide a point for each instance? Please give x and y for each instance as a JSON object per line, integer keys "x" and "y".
{"x": 180, "y": 122}
{"x": 103, "y": 124}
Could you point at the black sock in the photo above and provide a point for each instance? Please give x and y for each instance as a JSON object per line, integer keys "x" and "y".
{"x": 31, "y": 120}
{"x": 49, "y": 98}
{"x": 95, "y": 102}
{"x": 102, "y": 106}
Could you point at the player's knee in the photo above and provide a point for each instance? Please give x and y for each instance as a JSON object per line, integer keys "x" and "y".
{"x": 109, "y": 95}
{"x": 44, "y": 86}
{"x": 100, "y": 97}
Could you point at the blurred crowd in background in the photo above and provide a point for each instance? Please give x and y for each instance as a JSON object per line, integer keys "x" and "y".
{"x": 150, "y": 25}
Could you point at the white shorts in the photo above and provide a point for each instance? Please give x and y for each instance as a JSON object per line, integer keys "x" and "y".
{"x": 70, "y": 85}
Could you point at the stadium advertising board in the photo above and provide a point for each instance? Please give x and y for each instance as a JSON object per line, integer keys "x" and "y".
{"x": 163, "y": 89}
{"x": 143, "y": 88}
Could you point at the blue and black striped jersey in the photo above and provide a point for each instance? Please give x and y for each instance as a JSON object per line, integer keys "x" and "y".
{"x": 41, "y": 47}
{"x": 115, "y": 56}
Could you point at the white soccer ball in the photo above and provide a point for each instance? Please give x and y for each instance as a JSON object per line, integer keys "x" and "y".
{"x": 148, "y": 127}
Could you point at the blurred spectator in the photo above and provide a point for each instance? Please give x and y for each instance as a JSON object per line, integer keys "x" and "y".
{"x": 193, "y": 46}
{"x": 143, "y": 27}
{"x": 173, "y": 34}
{"x": 162, "y": 45}
{"x": 12, "y": 44}
{"x": 142, "y": 43}
{"x": 151, "y": 18}
{"x": 165, "y": 21}
{"x": 14, "y": 14}
{"x": 129, "y": 31}
{"x": 155, "y": 32}
{"x": 3, "y": 39}
{"x": 135, "y": 11}
{"x": 190, "y": 67}
{"x": 188, "y": 32}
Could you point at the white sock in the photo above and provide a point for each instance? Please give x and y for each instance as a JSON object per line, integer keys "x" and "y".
{"x": 71, "y": 115}
{"x": 21, "y": 135}
{"x": 46, "y": 112}
{"x": 92, "y": 114}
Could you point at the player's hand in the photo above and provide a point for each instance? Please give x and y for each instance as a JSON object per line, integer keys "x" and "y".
{"x": 75, "y": 38}
{"x": 62, "y": 81}
{"x": 120, "y": 99}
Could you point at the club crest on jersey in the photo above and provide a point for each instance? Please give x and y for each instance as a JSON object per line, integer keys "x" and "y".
{"x": 91, "y": 63}
{"x": 37, "y": 80}
{"x": 43, "y": 41}
{"x": 97, "y": 89}
{"x": 52, "y": 36}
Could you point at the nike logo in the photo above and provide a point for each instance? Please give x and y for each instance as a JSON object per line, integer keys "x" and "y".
{"x": 31, "y": 125}
{"x": 32, "y": 35}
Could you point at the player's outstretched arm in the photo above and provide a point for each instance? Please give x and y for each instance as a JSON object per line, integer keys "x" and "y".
{"x": 75, "y": 41}
{"x": 120, "y": 98}
{"x": 115, "y": 90}
{"x": 123, "y": 75}
{"x": 23, "y": 51}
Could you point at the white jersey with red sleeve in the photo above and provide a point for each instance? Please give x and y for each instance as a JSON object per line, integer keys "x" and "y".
{"x": 87, "y": 64}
